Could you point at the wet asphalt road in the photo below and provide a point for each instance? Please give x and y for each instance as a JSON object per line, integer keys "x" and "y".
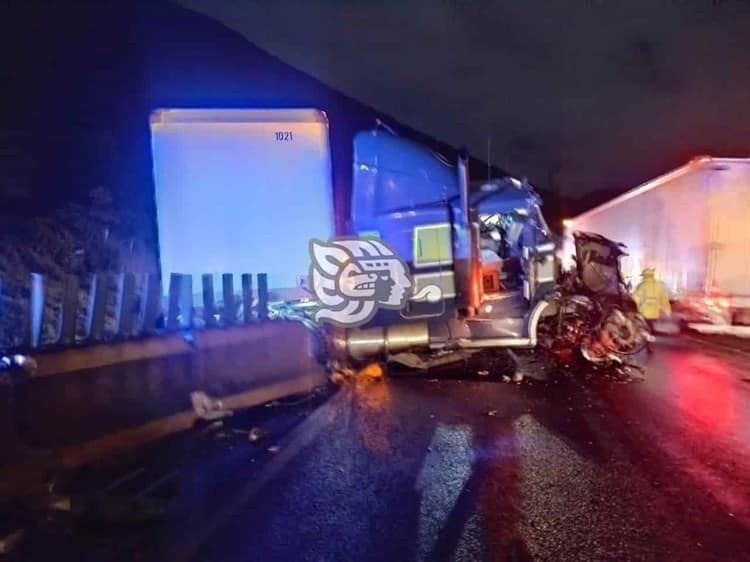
{"x": 466, "y": 468}
{"x": 569, "y": 469}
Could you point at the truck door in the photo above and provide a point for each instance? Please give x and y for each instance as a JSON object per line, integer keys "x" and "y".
{"x": 729, "y": 236}
{"x": 538, "y": 256}
{"x": 432, "y": 271}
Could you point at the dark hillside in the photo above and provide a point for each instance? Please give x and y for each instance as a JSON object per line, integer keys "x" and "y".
{"x": 80, "y": 80}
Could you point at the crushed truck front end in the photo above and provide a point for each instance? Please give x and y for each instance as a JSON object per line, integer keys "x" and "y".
{"x": 690, "y": 226}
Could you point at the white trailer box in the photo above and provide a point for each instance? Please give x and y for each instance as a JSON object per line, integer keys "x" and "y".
{"x": 692, "y": 225}
{"x": 241, "y": 191}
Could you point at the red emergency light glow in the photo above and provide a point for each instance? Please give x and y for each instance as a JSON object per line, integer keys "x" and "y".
{"x": 713, "y": 302}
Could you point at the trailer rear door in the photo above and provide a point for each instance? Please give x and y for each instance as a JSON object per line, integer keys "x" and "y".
{"x": 729, "y": 211}
{"x": 242, "y": 191}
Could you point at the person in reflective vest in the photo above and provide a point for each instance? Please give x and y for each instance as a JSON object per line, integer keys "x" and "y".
{"x": 652, "y": 298}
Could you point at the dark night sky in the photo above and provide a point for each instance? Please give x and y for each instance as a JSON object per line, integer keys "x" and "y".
{"x": 578, "y": 95}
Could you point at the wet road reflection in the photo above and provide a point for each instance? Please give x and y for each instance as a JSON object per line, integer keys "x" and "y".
{"x": 371, "y": 410}
{"x": 570, "y": 469}
{"x": 441, "y": 480}
{"x": 696, "y": 411}
{"x": 706, "y": 390}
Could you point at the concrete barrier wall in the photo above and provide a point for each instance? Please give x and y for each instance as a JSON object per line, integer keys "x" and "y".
{"x": 141, "y": 389}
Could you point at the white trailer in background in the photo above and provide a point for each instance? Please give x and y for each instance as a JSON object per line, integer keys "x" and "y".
{"x": 692, "y": 225}
{"x": 242, "y": 191}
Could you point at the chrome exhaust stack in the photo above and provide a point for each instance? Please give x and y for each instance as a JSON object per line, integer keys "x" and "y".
{"x": 466, "y": 246}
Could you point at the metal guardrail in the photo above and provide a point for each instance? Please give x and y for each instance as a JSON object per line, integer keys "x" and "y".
{"x": 138, "y": 313}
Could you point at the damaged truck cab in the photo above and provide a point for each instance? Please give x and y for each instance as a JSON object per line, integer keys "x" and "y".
{"x": 486, "y": 246}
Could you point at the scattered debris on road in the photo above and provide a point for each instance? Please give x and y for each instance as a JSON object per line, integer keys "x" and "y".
{"x": 208, "y": 408}
{"x": 211, "y": 429}
{"x": 425, "y": 362}
{"x": 9, "y": 542}
{"x": 373, "y": 370}
{"x": 337, "y": 378}
{"x": 339, "y": 372}
{"x": 255, "y": 434}
{"x": 112, "y": 509}
{"x": 339, "y": 366}
{"x": 492, "y": 413}
{"x": 483, "y": 372}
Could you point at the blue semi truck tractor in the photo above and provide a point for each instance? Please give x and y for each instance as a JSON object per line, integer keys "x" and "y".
{"x": 485, "y": 245}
